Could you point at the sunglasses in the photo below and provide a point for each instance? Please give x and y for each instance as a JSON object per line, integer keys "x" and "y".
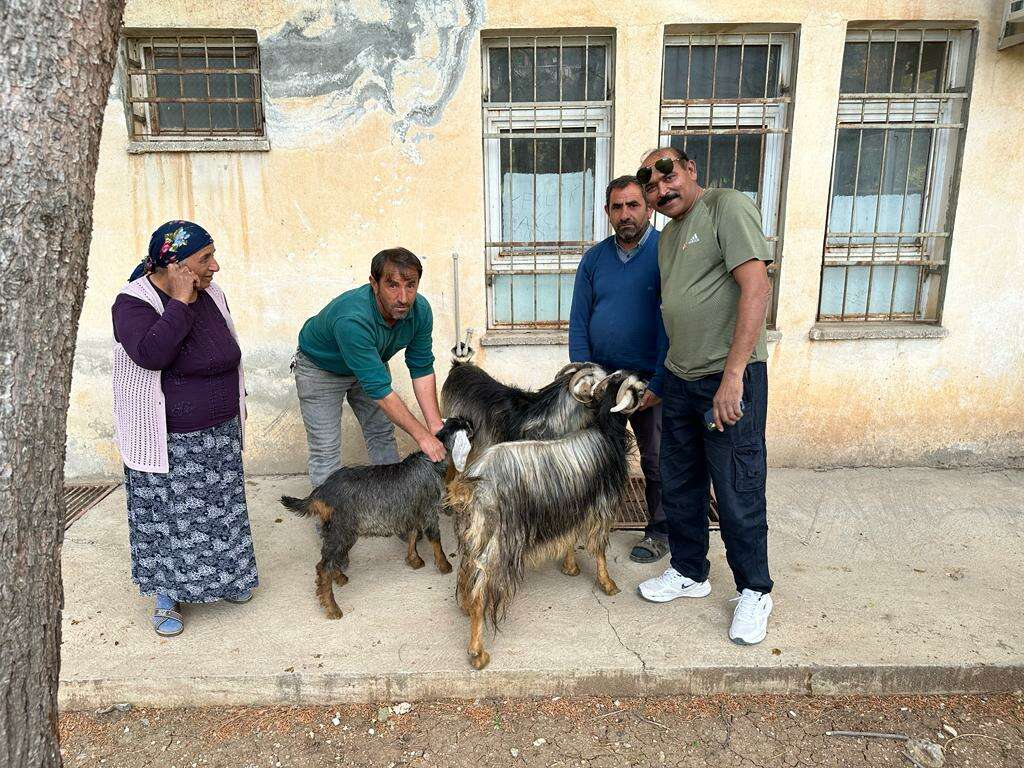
{"x": 662, "y": 165}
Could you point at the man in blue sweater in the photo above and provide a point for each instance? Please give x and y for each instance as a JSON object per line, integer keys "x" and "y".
{"x": 615, "y": 321}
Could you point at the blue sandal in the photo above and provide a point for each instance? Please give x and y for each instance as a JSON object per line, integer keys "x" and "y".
{"x": 243, "y": 598}
{"x": 167, "y": 620}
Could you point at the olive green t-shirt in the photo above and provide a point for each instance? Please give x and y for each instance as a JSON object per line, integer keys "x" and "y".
{"x": 696, "y": 256}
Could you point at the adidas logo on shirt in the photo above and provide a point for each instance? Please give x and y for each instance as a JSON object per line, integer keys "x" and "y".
{"x": 693, "y": 239}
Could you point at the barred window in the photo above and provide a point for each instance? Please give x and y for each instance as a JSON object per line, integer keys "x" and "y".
{"x": 1011, "y": 31}
{"x": 188, "y": 85}
{"x": 902, "y": 107}
{"x": 547, "y": 108}
{"x": 725, "y": 103}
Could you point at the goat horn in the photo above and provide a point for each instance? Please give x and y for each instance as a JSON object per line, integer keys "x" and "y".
{"x": 602, "y": 385}
{"x": 626, "y": 397}
{"x": 570, "y": 368}
{"x": 580, "y": 385}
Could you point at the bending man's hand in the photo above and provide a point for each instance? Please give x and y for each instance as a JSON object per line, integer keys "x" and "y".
{"x": 433, "y": 447}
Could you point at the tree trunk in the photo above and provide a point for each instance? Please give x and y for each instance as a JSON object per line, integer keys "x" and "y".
{"x": 56, "y": 60}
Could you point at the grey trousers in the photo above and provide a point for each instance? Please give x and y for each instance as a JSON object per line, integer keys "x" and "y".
{"x": 647, "y": 428}
{"x": 321, "y": 394}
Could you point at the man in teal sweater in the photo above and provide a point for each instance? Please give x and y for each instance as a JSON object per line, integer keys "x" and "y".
{"x": 344, "y": 352}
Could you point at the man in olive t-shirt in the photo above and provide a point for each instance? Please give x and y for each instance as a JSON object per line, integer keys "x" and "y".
{"x": 713, "y": 259}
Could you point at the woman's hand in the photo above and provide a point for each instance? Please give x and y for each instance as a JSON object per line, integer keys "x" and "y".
{"x": 182, "y": 282}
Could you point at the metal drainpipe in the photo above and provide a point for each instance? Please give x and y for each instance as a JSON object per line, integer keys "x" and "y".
{"x": 455, "y": 279}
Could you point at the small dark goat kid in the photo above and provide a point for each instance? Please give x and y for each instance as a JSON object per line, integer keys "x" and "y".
{"x": 523, "y": 502}
{"x": 400, "y": 499}
{"x": 500, "y": 412}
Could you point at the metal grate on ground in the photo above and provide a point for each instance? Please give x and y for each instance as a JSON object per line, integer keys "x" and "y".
{"x": 633, "y": 513}
{"x": 79, "y": 499}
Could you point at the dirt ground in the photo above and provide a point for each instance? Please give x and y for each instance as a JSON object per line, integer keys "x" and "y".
{"x": 758, "y": 731}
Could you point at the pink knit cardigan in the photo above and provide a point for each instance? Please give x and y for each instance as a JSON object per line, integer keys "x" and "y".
{"x": 140, "y": 417}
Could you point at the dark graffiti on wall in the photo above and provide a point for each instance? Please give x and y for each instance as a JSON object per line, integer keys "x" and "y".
{"x": 351, "y": 66}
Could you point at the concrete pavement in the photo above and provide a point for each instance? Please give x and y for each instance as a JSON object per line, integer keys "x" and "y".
{"x": 901, "y": 580}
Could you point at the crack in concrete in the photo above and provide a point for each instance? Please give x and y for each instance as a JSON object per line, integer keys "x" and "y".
{"x": 608, "y": 616}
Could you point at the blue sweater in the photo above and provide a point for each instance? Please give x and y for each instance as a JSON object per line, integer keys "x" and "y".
{"x": 615, "y": 320}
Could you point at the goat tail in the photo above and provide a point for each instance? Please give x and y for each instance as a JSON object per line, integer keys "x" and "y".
{"x": 307, "y": 506}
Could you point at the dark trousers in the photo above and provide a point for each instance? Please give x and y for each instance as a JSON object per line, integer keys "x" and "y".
{"x": 736, "y": 461}
{"x": 647, "y": 429}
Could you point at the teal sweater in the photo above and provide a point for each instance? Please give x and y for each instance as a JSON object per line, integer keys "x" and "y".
{"x": 349, "y": 337}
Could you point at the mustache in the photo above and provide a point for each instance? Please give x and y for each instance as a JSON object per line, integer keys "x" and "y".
{"x": 667, "y": 198}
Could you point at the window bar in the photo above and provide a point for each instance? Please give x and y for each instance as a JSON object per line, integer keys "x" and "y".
{"x": 944, "y": 84}
{"x": 739, "y": 94}
{"x": 926, "y": 201}
{"x": 925, "y": 204}
{"x": 711, "y": 111}
{"x": 943, "y": 74}
{"x": 533, "y": 220}
{"x": 511, "y": 176}
{"x": 181, "y": 90}
{"x": 829, "y": 233}
{"x": 234, "y": 79}
{"x": 906, "y": 183}
{"x": 257, "y": 92}
{"x": 152, "y": 110}
{"x": 881, "y": 174}
{"x": 853, "y": 208}
{"x": 686, "y": 109}
{"x": 206, "y": 77}
{"x": 867, "y": 63}
{"x": 583, "y": 141}
{"x": 764, "y": 116}
{"x": 558, "y": 212}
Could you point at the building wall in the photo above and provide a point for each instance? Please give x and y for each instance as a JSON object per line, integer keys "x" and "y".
{"x": 374, "y": 119}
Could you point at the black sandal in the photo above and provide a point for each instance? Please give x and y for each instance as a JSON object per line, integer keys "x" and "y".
{"x": 648, "y": 550}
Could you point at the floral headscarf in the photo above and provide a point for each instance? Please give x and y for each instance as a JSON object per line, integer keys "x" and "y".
{"x": 172, "y": 242}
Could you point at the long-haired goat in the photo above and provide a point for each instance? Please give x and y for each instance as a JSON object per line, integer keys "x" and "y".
{"x": 500, "y": 412}
{"x": 525, "y": 501}
{"x": 400, "y": 499}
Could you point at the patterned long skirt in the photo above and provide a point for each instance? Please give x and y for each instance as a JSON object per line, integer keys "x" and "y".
{"x": 189, "y": 529}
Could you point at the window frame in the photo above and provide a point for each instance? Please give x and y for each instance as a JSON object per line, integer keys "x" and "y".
{"x": 590, "y": 119}
{"x": 722, "y": 116}
{"x": 137, "y": 52}
{"x": 944, "y": 114}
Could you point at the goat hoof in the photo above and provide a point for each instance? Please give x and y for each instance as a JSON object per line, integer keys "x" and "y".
{"x": 611, "y": 588}
{"x": 334, "y": 613}
{"x": 481, "y": 660}
{"x": 574, "y": 571}
{"x": 415, "y": 564}
{"x": 444, "y": 566}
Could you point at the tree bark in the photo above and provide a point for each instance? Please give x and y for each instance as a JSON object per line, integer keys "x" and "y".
{"x": 56, "y": 60}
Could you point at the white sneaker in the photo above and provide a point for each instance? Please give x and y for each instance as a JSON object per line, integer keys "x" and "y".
{"x": 670, "y": 585}
{"x": 750, "y": 620}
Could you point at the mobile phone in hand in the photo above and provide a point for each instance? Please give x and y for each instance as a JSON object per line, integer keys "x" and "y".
{"x": 709, "y": 418}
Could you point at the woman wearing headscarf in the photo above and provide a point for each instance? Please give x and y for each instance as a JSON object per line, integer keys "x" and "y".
{"x": 179, "y": 407}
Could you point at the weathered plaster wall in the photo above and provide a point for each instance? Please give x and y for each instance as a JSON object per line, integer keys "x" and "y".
{"x": 374, "y": 122}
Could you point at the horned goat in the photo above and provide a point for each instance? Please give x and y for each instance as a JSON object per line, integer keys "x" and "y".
{"x": 500, "y": 412}
{"x": 526, "y": 501}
